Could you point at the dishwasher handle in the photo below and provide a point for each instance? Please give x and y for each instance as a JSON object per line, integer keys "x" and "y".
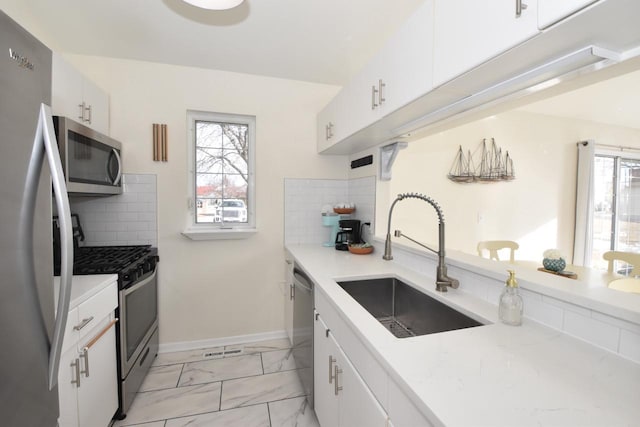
{"x": 301, "y": 280}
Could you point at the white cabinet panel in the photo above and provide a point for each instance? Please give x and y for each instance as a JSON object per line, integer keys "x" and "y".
{"x": 288, "y": 300}
{"x": 341, "y": 397}
{"x": 402, "y": 411}
{"x": 470, "y": 32}
{"x": 87, "y": 379}
{"x": 97, "y": 107}
{"x": 66, "y": 89}
{"x": 68, "y": 389}
{"x": 324, "y": 398}
{"x": 76, "y": 97}
{"x": 399, "y": 73}
{"x": 358, "y": 407}
{"x": 405, "y": 63}
{"x": 98, "y": 393}
{"x": 552, "y": 11}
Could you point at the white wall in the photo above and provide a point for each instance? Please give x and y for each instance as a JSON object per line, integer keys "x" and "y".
{"x": 215, "y": 289}
{"x": 536, "y": 209}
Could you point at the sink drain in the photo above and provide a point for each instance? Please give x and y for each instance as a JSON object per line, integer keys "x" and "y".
{"x": 395, "y": 327}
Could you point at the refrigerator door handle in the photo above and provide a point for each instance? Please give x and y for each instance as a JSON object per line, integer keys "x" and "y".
{"x": 45, "y": 133}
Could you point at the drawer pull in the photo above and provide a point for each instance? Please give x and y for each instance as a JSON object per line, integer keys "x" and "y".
{"x": 332, "y": 360}
{"x": 76, "y": 365}
{"x": 82, "y": 324}
{"x": 337, "y": 372}
{"x": 85, "y": 355}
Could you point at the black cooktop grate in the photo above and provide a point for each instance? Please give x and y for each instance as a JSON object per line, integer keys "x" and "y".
{"x": 107, "y": 259}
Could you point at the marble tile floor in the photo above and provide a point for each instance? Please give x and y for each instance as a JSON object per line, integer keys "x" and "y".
{"x": 250, "y": 385}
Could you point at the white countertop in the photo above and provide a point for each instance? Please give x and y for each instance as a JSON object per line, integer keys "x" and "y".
{"x": 84, "y": 287}
{"x": 493, "y": 375}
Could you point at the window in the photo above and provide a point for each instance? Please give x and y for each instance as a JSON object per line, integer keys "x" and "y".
{"x": 616, "y": 198}
{"x": 222, "y": 171}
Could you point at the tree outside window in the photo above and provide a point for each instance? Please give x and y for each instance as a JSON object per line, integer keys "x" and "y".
{"x": 223, "y": 169}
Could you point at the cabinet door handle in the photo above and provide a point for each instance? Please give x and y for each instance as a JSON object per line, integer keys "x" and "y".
{"x": 381, "y": 85}
{"x": 330, "y": 130}
{"x": 76, "y": 365}
{"x": 332, "y": 360}
{"x": 520, "y": 7}
{"x": 337, "y": 371}
{"x": 292, "y": 292}
{"x": 326, "y": 131}
{"x": 82, "y": 324}
{"x": 374, "y": 92}
{"x": 89, "y": 109}
{"x": 81, "y": 116}
{"x": 85, "y": 355}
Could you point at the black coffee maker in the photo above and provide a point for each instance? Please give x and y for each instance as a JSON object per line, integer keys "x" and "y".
{"x": 349, "y": 232}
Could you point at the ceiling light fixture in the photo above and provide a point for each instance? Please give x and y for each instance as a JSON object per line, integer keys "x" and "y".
{"x": 214, "y": 4}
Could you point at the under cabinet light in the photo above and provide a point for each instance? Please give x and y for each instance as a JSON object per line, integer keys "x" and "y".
{"x": 562, "y": 69}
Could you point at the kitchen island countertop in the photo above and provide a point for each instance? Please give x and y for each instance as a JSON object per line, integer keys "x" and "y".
{"x": 495, "y": 374}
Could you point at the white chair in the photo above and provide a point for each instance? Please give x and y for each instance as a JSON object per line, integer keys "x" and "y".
{"x": 626, "y": 285}
{"x": 493, "y": 246}
{"x": 630, "y": 258}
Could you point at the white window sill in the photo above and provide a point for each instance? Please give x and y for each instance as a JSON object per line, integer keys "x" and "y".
{"x": 219, "y": 233}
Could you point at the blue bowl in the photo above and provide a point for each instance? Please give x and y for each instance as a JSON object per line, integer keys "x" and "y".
{"x": 553, "y": 264}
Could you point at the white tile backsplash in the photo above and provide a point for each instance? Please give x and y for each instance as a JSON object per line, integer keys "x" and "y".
{"x": 129, "y": 218}
{"x": 592, "y": 330}
{"x": 304, "y": 199}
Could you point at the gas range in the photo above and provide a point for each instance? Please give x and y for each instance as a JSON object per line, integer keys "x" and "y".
{"x": 130, "y": 263}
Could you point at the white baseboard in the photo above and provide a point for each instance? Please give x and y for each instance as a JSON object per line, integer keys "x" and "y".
{"x": 220, "y": 342}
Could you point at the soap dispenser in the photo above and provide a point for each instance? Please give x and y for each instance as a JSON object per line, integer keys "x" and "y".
{"x": 511, "y": 304}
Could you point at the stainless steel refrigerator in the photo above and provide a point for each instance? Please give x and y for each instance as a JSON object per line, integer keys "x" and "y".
{"x": 31, "y": 328}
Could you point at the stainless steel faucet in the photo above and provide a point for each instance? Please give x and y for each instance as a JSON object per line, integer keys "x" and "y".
{"x": 442, "y": 280}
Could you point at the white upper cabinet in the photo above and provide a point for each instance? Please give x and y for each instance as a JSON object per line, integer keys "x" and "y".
{"x": 469, "y": 32}
{"x": 552, "y": 11}
{"x": 405, "y": 63}
{"x": 78, "y": 98}
{"x": 399, "y": 73}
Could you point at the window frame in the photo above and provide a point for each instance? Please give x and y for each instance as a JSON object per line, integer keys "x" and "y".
{"x": 617, "y": 155}
{"x": 222, "y": 230}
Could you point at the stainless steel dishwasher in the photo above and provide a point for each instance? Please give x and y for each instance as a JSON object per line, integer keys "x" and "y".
{"x": 302, "y": 293}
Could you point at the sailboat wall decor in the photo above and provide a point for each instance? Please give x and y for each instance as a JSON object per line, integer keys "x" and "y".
{"x": 492, "y": 166}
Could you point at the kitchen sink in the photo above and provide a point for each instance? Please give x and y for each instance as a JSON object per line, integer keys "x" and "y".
{"x": 403, "y": 310}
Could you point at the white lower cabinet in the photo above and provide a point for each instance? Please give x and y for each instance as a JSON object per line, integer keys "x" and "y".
{"x": 341, "y": 397}
{"x": 88, "y": 378}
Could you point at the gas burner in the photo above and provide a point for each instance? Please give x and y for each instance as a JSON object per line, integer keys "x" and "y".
{"x": 107, "y": 259}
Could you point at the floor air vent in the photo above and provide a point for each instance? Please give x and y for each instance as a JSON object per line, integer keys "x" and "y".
{"x": 222, "y": 353}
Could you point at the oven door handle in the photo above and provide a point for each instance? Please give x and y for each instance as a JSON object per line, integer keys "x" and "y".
{"x": 141, "y": 284}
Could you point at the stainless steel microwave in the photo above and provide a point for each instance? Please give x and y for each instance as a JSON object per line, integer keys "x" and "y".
{"x": 92, "y": 162}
